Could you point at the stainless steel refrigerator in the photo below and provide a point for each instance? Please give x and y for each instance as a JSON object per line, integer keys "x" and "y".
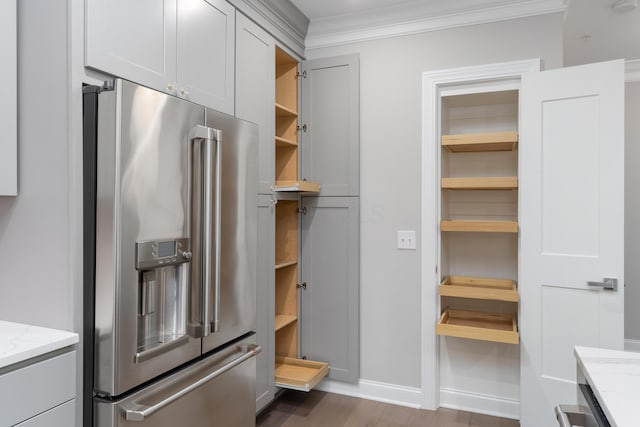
{"x": 170, "y": 191}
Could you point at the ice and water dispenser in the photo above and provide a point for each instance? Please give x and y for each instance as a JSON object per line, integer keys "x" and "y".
{"x": 163, "y": 271}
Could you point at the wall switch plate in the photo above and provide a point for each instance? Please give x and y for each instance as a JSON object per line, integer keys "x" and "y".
{"x": 407, "y": 240}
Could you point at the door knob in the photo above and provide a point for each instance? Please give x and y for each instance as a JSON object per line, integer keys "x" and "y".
{"x": 608, "y": 283}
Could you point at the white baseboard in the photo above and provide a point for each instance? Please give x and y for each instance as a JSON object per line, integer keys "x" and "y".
{"x": 480, "y": 403}
{"x": 411, "y": 397}
{"x": 372, "y": 390}
{"x": 632, "y": 345}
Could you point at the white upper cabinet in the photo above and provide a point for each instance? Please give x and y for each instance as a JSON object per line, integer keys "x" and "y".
{"x": 135, "y": 40}
{"x": 206, "y": 53}
{"x": 8, "y": 101}
{"x": 183, "y": 48}
{"x": 255, "y": 92}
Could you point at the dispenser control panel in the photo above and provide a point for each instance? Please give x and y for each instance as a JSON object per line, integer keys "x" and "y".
{"x": 160, "y": 253}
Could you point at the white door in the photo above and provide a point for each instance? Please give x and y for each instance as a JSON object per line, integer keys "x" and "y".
{"x": 206, "y": 53}
{"x": 571, "y": 227}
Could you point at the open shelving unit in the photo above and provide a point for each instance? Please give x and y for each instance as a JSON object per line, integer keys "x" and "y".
{"x": 476, "y": 325}
{"x": 284, "y": 142}
{"x": 480, "y": 142}
{"x": 283, "y": 320}
{"x": 479, "y": 288}
{"x": 479, "y": 185}
{"x": 286, "y": 116}
{"x": 290, "y": 371}
{"x": 479, "y": 226}
{"x": 299, "y": 374}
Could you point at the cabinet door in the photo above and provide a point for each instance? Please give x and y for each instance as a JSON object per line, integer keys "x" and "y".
{"x": 265, "y": 302}
{"x": 135, "y": 40}
{"x": 206, "y": 52}
{"x": 572, "y": 227}
{"x": 255, "y": 92}
{"x": 60, "y": 416}
{"x": 36, "y": 388}
{"x": 330, "y": 239}
{"x": 330, "y": 143}
{"x": 8, "y": 101}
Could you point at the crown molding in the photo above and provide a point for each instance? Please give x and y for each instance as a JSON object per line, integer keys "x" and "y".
{"x": 632, "y": 71}
{"x": 419, "y": 16}
{"x": 281, "y": 18}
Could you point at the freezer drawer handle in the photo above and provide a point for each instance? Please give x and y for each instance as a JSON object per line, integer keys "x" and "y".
{"x": 142, "y": 411}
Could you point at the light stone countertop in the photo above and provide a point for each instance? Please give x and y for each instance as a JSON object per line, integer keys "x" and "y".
{"x": 19, "y": 342}
{"x": 614, "y": 377}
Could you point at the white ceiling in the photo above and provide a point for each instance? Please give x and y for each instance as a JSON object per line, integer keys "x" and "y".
{"x": 592, "y": 30}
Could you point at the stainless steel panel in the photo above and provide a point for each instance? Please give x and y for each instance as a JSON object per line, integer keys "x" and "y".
{"x": 238, "y": 229}
{"x": 142, "y": 195}
{"x": 190, "y": 398}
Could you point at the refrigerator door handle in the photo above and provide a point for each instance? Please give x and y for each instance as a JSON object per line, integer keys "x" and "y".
{"x": 217, "y": 231}
{"x": 138, "y": 412}
{"x": 203, "y": 220}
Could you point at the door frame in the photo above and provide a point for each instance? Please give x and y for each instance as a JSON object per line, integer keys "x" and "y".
{"x": 473, "y": 79}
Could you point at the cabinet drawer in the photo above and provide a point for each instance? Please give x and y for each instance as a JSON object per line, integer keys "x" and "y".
{"x": 37, "y": 388}
{"x": 60, "y": 416}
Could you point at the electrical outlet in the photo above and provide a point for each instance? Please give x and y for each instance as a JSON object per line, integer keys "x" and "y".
{"x": 407, "y": 240}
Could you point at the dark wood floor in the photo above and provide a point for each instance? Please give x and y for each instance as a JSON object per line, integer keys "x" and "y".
{"x": 320, "y": 409}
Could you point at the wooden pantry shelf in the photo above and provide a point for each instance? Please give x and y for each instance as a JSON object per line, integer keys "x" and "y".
{"x": 285, "y": 263}
{"x": 479, "y": 326}
{"x": 294, "y": 185}
{"x": 285, "y": 142}
{"x": 477, "y": 142}
{"x": 479, "y": 226}
{"x": 281, "y": 110}
{"x": 299, "y": 374}
{"x": 480, "y": 183}
{"x": 283, "y": 320}
{"x": 479, "y": 288}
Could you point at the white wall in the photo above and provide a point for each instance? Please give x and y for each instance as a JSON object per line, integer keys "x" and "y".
{"x": 632, "y": 215}
{"x": 35, "y": 285}
{"x": 390, "y": 176}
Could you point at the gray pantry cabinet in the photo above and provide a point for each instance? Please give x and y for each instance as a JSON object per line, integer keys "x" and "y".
{"x": 184, "y": 48}
{"x": 255, "y": 94}
{"x": 330, "y": 246}
{"x": 255, "y": 91}
{"x": 331, "y": 112}
{"x": 265, "y": 302}
{"x": 308, "y": 266}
